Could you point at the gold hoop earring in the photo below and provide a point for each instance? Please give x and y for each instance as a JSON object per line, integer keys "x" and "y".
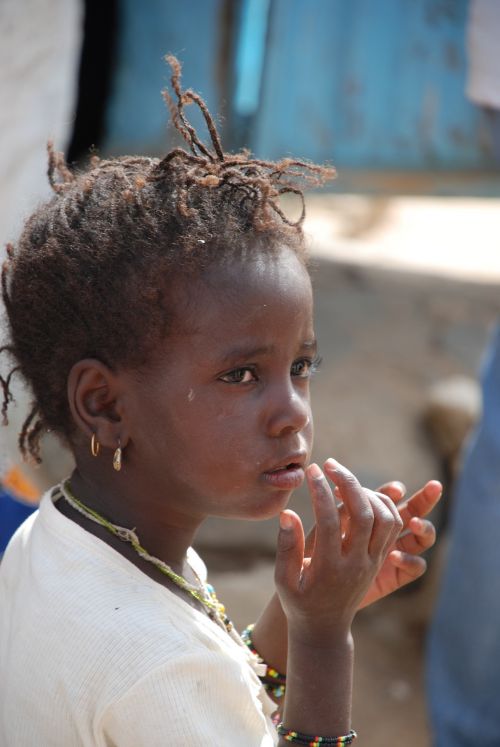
{"x": 117, "y": 458}
{"x": 94, "y": 445}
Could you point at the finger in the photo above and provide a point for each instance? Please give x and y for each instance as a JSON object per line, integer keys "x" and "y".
{"x": 356, "y": 506}
{"x": 289, "y": 552}
{"x": 420, "y": 536}
{"x": 387, "y": 523}
{"x": 422, "y": 502}
{"x": 310, "y": 542}
{"x": 327, "y": 537}
{"x": 344, "y": 516}
{"x": 395, "y": 489}
{"x": 389, "y": 503}
{"x": 409, "y": 567}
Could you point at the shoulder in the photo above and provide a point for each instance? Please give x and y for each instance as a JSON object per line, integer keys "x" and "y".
{"x": 93, "y": 608}
{"x": 134, "y": 656}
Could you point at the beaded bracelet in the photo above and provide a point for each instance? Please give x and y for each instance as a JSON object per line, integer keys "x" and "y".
{"x": 273, "y": 682}
{"x": 310, "y": 740}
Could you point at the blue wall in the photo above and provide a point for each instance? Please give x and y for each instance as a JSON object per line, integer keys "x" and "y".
{"x": 137, "y": 115}
{"x": 366, "y": 83}
{"x": 362, "y": 83}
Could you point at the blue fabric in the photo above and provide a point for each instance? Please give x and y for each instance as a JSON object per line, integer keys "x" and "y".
{"x": 463, "y": 654}
{"x": 12, "y": 514}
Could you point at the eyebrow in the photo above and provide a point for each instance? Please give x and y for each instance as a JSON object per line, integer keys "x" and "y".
{"x": 249, "y": 352}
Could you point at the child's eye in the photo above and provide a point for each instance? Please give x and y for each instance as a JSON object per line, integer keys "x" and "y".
{"x": 304, "y": 368}
{"x": 239, "y": 376}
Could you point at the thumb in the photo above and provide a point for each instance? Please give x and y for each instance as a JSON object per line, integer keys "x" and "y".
{"x": 290, "y": 551}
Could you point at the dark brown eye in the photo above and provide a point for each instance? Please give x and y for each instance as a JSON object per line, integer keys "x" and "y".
{"x": 239, "y": 376}
{"x": 305, "y": 367}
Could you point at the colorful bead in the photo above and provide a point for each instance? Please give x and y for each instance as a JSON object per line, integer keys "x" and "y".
{"x": 273, "y": 682}
{"x": 310, "y": 740}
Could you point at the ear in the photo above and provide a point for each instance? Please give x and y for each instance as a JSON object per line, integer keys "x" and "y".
{"x": 95, "y": 402}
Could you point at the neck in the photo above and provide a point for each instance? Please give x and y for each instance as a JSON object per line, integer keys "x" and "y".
{"x": 162, "y": 532}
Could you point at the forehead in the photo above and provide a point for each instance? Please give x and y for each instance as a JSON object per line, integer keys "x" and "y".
{"x": 262, "y": 296}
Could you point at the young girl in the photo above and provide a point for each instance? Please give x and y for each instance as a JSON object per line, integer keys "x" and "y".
{"x": 161, "y": 312}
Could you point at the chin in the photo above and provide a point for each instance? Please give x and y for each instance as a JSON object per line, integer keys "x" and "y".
{"x": 268, "y": 507}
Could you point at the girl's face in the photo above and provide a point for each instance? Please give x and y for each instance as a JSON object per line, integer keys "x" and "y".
{"x": 220, "y": 424}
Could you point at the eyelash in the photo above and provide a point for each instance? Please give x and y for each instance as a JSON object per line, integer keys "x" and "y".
{"x": 236, "y": 375}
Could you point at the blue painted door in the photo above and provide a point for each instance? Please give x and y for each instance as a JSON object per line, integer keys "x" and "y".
{"x": 375, "y": 84}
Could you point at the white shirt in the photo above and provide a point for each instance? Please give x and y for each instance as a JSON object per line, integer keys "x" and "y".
{"x": 94, "y": 653}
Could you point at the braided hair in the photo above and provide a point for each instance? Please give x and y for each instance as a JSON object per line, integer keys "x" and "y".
{"x": 90, "y": 274}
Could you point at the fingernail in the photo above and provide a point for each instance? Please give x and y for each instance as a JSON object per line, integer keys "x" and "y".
{"x": 435, "y": 483}
{"x": 333, "y": 464}
{"x": 315, "y": 472}
{"x": 286, "y": 521}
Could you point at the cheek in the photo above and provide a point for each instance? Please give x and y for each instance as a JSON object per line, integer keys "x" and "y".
{"x": 309, "y": 430}
{"x": 228, "y": 442}
{"x": 207, "y": 433}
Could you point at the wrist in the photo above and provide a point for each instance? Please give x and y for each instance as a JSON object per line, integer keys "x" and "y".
{"x": 319, "y": 685}
{"x": 319, "y": 664}
{"x": 315, "y": 638}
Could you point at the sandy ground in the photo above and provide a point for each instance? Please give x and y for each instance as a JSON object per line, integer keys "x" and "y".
{"x": 454, "y": 238}
{"x": 406, "y": 292}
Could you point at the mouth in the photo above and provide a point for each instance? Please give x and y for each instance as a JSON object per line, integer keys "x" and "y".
{"x": 287, "y": 476}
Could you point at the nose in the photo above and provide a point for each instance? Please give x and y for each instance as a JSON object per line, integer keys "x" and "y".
{"x": 289, "y": 411}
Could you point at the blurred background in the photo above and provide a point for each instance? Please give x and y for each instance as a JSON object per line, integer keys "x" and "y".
{"x": 405, "y": 248}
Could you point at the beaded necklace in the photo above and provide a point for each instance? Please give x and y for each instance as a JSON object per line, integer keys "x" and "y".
{"x": 203, "y": 593}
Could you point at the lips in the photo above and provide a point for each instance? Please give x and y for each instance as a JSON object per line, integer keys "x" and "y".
{"x": 288, "y": 474}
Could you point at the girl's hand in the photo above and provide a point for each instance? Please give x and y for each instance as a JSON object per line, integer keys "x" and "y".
{"x": 403, "y": 563}
{"x": 321, "y": 591}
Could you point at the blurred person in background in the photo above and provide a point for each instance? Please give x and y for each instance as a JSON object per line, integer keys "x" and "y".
{"x": 463, "y": 664}
{"x": 39, "y": 57}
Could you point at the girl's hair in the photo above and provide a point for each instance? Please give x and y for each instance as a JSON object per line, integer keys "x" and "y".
{"x": 91, "y": 271}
